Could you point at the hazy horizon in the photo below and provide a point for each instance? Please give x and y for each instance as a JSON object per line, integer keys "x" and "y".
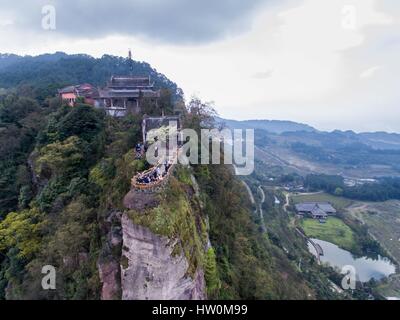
{"x": 331, "y": 65}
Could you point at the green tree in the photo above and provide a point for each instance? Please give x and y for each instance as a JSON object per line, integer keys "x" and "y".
{"x": 25, "y": 196}
{"x": 61, "y": 157}
{"x": 211, "y": 273}
{"x": 338, "y": 192}
{"x": 22, "y": 230}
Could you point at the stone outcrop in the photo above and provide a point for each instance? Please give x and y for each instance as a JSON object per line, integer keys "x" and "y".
{"x": 108, "y": 263}
{"x": 109, "y": 274}
{"x": 150, "y": 271}
{"x": 140, "y": 200}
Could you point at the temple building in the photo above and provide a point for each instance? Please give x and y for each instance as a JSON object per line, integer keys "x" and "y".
{"x": 121, "y": 95}
{"x": 126, "y": 94}
{"x": 84, "y": 92}
{"x": 316, "y": 210}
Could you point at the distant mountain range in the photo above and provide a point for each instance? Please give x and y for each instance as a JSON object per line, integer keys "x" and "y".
{"x": 272, "y": 126}
{"x": 381, "y": 140}
{"x": 375, "y": 140}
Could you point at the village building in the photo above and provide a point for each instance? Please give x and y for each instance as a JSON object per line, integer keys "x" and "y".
{"x": 318, "y": 213}
{"x": 126, "y": 94}
{"x": 86, "y": 93}
{"x": 326, "y": 207}
{"x": 317, "y": 210}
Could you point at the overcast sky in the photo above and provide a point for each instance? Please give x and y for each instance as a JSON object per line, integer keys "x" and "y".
{"x": 333, "y": 64}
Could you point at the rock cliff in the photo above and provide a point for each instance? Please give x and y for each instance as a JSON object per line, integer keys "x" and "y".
{"x": 156, "y": 250}
{"x": 150, "y": 270}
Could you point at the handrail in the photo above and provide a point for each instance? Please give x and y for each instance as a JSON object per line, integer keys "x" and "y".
{"x": 151, "y": 185}
{"x": 154, "y": 184}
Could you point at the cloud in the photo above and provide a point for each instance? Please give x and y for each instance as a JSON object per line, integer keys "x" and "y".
{"x": 263, "y": 74}
{"x": 370, "y": 72}
{"x": 172, "y": 21}
{"x": 292, "y": 61}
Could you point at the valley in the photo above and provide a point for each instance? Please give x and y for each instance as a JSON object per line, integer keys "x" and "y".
{"x": 286, "y": 160}
{"x": 282, "y": 155}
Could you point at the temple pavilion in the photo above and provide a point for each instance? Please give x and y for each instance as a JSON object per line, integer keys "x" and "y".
{"x": 126, "y": 94}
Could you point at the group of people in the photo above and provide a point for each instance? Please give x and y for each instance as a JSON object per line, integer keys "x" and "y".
{"x": 157, "y": 174}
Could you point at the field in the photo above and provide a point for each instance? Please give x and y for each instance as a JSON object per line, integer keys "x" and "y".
{"x": 339, "y": 203}
{"x": 383, "y": 221}
{"x": 391, "y": 287}
{"x": 280, "y": 153}
{"x": 334, "y": 230}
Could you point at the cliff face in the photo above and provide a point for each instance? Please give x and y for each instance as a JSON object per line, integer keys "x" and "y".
{"x": 150, "y": 270}
{"x": 109, "y": 277}
{"x": 156, "y": 250}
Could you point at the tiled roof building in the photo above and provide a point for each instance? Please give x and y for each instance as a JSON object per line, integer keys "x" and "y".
{"x": 121, "y": 95}
{"x": 125, "y": 94}
{"x": 85, "y": 91}
{"x": 317, "y": 210}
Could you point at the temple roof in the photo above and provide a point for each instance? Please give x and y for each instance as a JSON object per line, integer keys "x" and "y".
{"x": 87, "y": 90}
{"x": 317, "y": 212}
{"x": 310, "y": 206}
{"x": 69, "y": 89}
{"x": 129, "y": 82}
{"x": 327, "y": 207}
{"x": 305, "y": 207}
{"x": 82, "y": 90}
{"x": 117, "y": 87}
{"x": 127, "y": 93}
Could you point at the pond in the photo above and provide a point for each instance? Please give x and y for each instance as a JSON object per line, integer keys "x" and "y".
{"x": 366, "y": 268}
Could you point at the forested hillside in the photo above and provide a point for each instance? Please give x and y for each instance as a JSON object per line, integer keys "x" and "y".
{"x": 65, "y": 172}
{"x": 42, "y": 75}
